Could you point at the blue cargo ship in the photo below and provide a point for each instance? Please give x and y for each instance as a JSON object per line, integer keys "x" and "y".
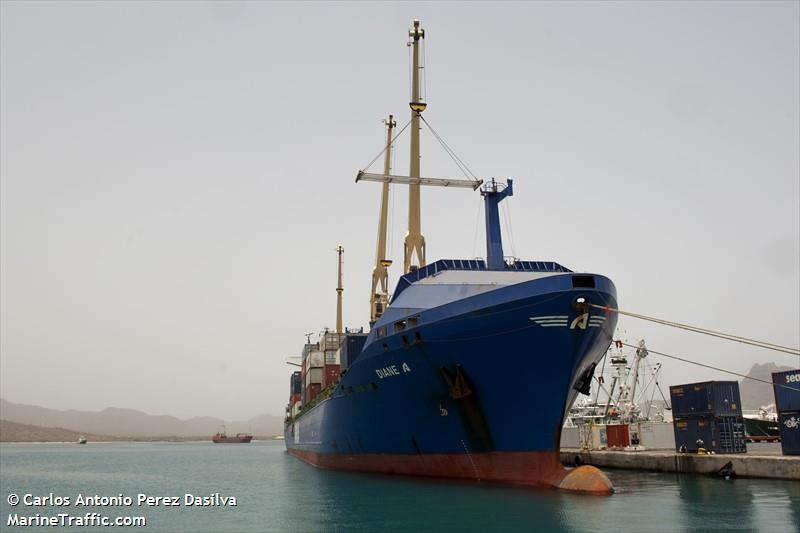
{"x": 468, "y": 370}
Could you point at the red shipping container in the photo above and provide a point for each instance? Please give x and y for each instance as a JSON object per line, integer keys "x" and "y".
{"x": 312, "y": 391}
{"x": 618, "y": 436}
{"x": 331, "y": 374}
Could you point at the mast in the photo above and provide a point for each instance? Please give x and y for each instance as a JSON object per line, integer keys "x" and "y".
{"x": 339, "y": 291}
{"x": 492, "y": 196}
{"x": 641, "y": 353}
{"x": 379, "y": 296}
{"x": 414, "y": 246}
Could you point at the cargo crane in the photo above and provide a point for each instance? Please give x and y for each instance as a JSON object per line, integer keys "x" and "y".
{"x": 414, "y": 243}
{"x": 379, "y": 296}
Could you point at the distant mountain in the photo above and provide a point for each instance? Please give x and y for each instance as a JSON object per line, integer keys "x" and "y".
{"x": 14, "y": 432}
{"x": 756, "y": 394}
{"x": 117, "y": 422}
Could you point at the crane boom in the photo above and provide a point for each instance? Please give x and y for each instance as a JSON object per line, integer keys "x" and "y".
{"x": 409, "y": 180}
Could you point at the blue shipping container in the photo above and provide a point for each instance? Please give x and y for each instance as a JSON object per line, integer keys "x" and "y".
{"x": 351, "y": 348}
{"x": 297, "y": 382}
{"x": 722, "y": 434}
{"x": 790, "y": 432}
{"x": 717, "y": 398}
{"x": 787, "y": 390}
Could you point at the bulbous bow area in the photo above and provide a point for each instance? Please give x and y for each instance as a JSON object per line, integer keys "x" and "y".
{"x": 586, "y": 479}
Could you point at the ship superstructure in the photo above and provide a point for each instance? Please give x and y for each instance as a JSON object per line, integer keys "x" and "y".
{"x": 470, "y": 368}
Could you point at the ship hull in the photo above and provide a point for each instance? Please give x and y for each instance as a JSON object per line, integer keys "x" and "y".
{"x": 477, "y": 390}
{"x": 231, "y": 440}
{"x": 761, "y": 430}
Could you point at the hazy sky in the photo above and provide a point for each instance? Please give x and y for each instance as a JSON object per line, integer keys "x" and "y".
{"x": 176, "y": 177}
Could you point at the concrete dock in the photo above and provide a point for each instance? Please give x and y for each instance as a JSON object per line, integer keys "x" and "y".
{"x": 759, "y": 462}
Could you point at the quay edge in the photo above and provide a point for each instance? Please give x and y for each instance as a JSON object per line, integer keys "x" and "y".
{"x": 753, "y": 466}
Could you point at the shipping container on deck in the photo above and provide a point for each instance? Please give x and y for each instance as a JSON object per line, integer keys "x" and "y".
{"x": 314, "y": 375}
{"x": 351, "y": 348}
{"x": 312, "y": 391}
{"x": 331, "y": 357}
{"x": 720, "y": 434}
{"x": 314, "y": 360}
{"x": 331, "y": 374}
{"x": 717, "y": 398}
{"x": 618, "y": 435}
{"x": 787, "y": 390}
{"x": 790, "y": 432}
{"x": 331, "y": 340}
{"x": 296, "y": 382}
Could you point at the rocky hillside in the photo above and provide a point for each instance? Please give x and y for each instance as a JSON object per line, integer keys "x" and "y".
{"x": 756, "y": 394}
{"x": 14, "y": 432}
{"x": 116, "y": 422}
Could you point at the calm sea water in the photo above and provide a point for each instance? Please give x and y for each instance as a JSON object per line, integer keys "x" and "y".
{"x": 276, "y": 492}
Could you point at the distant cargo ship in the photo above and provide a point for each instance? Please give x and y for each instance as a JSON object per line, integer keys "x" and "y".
{"x": 240, "y": 438}
{"x": 468, "y": 369}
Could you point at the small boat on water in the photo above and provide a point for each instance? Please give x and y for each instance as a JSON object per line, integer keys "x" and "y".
{"x": 82, "y": 440}
{"x": 222, "y": 438}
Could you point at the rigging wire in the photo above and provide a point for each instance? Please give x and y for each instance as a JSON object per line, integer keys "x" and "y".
{"x": 507, "y": 218}
{"x": 386, "y": 146}
{"x": 713, "y": 367}
{"x": 457, "y": 160}
{"x": 727, "y": 336}
{"x": 510, "y": 229}
{"x": 602, "y": 369}
{"x": 390, "y": 229}
{"x": 423, "y": 73}
{"x": 477, "y": 225}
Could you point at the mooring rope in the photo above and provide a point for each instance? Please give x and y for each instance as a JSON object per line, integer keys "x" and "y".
{"x": 704, "y": 331}
{"x": 649, "y": 350}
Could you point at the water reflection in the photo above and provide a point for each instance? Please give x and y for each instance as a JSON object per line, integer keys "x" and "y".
{"x": 280, "y": 493}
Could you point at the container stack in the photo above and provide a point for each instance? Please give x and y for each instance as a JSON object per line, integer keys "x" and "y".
{"x": 330, "y": 344}
{"x": 787, "y": 404}
{"x": 313, "y": 373}
{"x": 351, "y": 347}
{"x": 709, "y": 412}
{"x": 296, "y": 390}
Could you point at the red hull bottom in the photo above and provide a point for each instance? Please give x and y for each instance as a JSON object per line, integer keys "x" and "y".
{"x": 521, "y": 468}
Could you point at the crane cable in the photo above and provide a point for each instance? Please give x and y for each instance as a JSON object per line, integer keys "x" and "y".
{"x": 727, "y": 336}
{"x": 457, "y": 160}
{"x": 387, "y": 146}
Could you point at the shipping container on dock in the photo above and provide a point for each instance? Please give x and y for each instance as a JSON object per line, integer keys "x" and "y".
{"x": 618, "y": 435}
{"x": 351, "y": 348}
{"x": 720, "y": 434}
{"x": 716, "y": 398}
{"x": 790, "y": 432}
{"x": 787, "y": 390}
